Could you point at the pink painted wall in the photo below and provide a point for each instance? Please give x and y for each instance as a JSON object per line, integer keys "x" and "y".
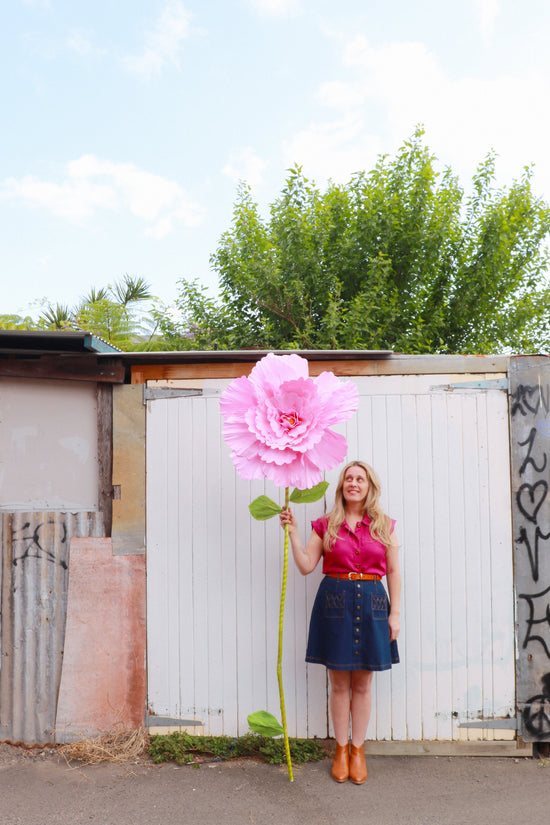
{"x": 103, "y": 682}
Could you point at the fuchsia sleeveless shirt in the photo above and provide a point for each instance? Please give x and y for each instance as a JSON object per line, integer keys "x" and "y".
{"x": 354, "y": 551}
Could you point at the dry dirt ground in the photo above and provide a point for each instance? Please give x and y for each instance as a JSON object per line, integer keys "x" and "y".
{"x": 40, "y": 788}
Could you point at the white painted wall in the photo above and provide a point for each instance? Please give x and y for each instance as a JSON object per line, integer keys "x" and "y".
{"x": 214, "y": 573}
{"x": 48, "y": 445}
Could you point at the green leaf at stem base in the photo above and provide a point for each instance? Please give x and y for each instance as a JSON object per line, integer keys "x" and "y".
{"x": 263, "y": 508}
{"x": 264, "y": 723}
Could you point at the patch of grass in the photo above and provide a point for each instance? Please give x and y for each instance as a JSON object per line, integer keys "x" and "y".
{"x": 185, "y": 749}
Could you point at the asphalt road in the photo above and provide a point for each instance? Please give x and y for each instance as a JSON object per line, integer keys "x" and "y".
{"x": 399, "y": 791}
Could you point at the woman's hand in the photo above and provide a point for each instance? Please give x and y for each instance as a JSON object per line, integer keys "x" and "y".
{"x": 394, "y": 623}
{"x": 307, "y": 557}
{"x": 287, "y": 517}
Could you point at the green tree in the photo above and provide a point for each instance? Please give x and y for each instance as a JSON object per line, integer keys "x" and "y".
{"x": 17, "y": 322}
{"x": 114, "y": 313}
{"x": 398, "y": 258}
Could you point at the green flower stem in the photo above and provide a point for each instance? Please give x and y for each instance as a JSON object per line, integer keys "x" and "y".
{"x": 280, "y": 654}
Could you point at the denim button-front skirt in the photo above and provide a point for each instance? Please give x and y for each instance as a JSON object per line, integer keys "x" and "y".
{"x": 349, "y": 627}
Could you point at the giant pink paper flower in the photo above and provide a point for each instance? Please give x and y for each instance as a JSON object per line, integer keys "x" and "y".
{"x": 277, "y": 421}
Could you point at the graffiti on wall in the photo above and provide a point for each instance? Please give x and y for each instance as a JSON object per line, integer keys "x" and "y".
{"x": 35, "y": 543}
{"x": 35, "y": 580}
{"x": 536, "y": 715}
{"x": 530, "y": 405}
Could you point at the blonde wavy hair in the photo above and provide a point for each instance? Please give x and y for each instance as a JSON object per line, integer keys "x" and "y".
{"x": 380, "y": 523}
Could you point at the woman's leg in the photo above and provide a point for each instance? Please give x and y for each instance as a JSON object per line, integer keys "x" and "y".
{"x": 361, "y": 701}
{"x": 361, "y": 683}
{"x": 340, "y": 703}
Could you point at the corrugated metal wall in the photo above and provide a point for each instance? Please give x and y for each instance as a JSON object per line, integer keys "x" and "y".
{"x": 33, "y": 587}
{"x": 214, "y": 573}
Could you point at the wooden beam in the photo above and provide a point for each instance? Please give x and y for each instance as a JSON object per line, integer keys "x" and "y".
{"x": 128, "y": 533}
{"x": 104, "y": 397}
{"x": 65, "y": 367}
{"x": 397, "y": 365}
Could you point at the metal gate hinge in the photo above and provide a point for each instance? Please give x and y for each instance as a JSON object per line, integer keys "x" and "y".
{"x": 155, "y": 393}
{"x": 465, "y": 386}
{"x": 509, "y": 723}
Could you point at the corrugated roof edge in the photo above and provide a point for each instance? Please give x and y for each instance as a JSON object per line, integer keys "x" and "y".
{"x": 19, "y": 341}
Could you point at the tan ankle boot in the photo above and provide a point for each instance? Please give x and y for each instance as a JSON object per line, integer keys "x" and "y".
{"x": 357, "y": 765}
{"x": 340, "y": 765}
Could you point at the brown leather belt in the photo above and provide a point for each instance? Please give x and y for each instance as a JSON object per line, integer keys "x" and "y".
{"x": 365, "y": 577}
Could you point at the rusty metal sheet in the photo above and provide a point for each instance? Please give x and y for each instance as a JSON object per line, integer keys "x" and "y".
{"x": 33, "y": 601}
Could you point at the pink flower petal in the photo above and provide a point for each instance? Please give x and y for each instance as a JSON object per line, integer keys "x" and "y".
{"x": 271, "y": 371}
{"x": 304, "y": 473}
{"x": 277, "y": 421}
{"x": 249, "y": 469}
{"x": 238, "y": 436}
{"x": 294, "y": 475}
{"x": 330, "y": 451}
{"x": 237, "y": 398}
{"x": 339, "y": 399}
{"x": 271, "y": 456}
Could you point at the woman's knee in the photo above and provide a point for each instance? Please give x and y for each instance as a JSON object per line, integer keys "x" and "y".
{"x": 340, "y": 681}
{"x": 361, "y": 681}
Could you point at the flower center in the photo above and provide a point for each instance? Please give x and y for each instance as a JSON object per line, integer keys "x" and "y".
{"x": 289, "y": 420}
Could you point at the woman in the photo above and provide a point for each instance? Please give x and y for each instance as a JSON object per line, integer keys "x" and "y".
{"x": 353, "y": 630}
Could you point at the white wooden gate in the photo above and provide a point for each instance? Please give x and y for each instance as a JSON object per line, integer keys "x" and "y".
{"x": 214, "y": 574}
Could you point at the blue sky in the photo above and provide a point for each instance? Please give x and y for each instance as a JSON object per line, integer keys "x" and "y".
{"x": 127, "y": 125}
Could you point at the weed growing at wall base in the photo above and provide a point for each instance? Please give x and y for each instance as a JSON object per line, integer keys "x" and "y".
{"x": 186, "y": 749}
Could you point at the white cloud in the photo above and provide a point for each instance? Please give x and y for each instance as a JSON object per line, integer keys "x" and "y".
{"x": 162, "y": 43}
{"x": 245, "y": 165}
{"x": 405, "y": 69}
{"x": 395, "y": 86}
{"x": 333, "y": 149}
{"x": 486, "y": 13}
{"x": 340, "y": 95}
{"x": 73, "y": 200}
{"x": 93, "y": 185}
{"x": 276, "y": 8}
{"x": 79, "y": 41}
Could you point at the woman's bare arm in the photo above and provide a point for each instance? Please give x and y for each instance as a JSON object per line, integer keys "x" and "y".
{"x": 393, "y": 577}
{"x": 306, "y": 558}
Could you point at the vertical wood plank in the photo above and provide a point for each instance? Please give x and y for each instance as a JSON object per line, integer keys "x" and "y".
{"x": 104, "y": 401}
{"x": 443, "y": 589}
{"x": 229, "y": 572}
{"x": 214, "y": 553}
{"x": 426, "y": 553}
{"x": 412, "y": 569}
{"x": 179, "y": 584}
{"x": 457, "y": 521}
{"x": 473, "y": 449}
{"x": 486, "y": 664}
{"x": 381, "y": 723}
{"x": 244, "y": 603}
{"x": 502, "y": 577}
{"x": 392, "y": 485}
{"x": 160, "y": 652}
